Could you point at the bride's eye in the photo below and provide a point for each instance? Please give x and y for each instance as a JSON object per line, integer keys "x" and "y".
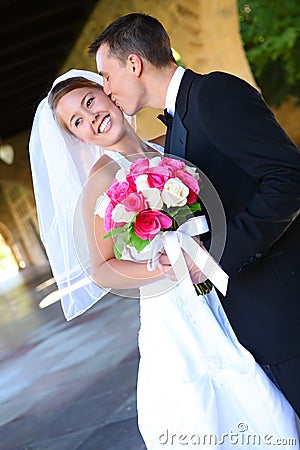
{"x": 89, "y": 102}
{"x": 77, "y": 123}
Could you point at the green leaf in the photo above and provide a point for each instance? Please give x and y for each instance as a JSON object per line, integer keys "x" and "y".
{"x": 137, "y": 242}
{"x": 119, "y": 245}
{"x": 113, "y": 232}
{"x": 118, "y": 255}
{"x": 171, "y": 212}
{"x": 118, "y": 230}
{"x": 195, "y": 207}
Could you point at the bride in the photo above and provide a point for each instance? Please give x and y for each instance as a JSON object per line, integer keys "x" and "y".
{"x": 197, "y": 386}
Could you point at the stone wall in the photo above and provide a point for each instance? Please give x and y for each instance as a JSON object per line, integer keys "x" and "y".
{"x": 288, "y": 115}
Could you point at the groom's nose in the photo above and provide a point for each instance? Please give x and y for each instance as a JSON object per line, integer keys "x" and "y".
{"x": 106, "y": 87}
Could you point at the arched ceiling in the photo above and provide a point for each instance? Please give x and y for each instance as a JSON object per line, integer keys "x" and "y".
{"x": 36, "y": 37}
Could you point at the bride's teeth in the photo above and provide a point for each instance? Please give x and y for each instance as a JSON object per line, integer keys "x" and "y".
{"x": 104, "y": 124}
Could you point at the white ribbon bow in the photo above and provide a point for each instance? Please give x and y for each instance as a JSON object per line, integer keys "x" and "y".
{"x": 175, "y": 241}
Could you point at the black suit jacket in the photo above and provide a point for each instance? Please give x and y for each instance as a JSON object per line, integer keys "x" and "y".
{"x": 227, "y": 130}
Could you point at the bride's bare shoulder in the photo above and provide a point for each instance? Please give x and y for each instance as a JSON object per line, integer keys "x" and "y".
{"x": 100, "y": 179}
{"x": 105, "y": 164}
{"x": 103, "y": 172}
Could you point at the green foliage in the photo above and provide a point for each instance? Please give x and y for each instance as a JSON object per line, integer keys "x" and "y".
{"x": 177, "y": 57}
{"x": 271, "y": 37}
{"x": 125, "y": 235}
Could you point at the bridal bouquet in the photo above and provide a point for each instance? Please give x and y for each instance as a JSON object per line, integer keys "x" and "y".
{"x": 147, "y": 199}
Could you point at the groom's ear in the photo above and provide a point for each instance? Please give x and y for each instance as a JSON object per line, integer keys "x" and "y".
{"x": 135, "y": 64}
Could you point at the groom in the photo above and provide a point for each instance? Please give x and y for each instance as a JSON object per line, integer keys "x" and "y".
{"x": 223, "y": 126}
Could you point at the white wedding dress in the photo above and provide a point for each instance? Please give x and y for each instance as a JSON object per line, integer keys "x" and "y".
{"x": 197, "y": 386}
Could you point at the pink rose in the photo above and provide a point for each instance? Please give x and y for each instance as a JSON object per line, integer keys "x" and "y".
{"x": 157, "y": 176}
{"x": 134, "y": 202}
{"x": 131, "y": 182}
{"x": 108, "y": 223}
{"x": 172, "y": 165}
{"x": 148, "y": 223}
{"x": 139, "y": 166}
{"x": 191, "y": 183}
{"x": 119, "y": 191}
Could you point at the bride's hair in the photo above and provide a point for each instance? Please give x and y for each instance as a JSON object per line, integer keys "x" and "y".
{"x": 63, "y": 88}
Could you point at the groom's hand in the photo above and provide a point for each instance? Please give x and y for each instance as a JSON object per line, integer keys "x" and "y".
{"x": 165, "y": 267}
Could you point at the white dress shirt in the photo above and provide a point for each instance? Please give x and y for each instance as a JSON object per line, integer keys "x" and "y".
{"x": 173, "y": 90}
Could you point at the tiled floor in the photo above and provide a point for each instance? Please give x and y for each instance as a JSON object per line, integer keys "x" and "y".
{"x": 67, "y": 385}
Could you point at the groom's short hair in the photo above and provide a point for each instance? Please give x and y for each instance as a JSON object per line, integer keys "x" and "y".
{"x": 136, "y": 33}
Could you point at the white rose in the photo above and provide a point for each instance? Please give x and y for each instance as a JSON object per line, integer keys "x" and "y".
{"x": 141, "y": 183}
{"x": 119, "y": 214}
{"x": 154, "y": 161}
{"x": 175, "y": 193}
{"x": 101, "y": 205}
{"x": 153, "y": 197}
{"x": 121, "y": 175}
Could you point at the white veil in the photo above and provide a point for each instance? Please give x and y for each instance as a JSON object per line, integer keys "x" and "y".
{"x": 60, "y": 165}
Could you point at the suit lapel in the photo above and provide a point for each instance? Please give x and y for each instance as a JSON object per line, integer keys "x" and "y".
{"x": 182, "y": 99}
{"x": 177, "y": 136}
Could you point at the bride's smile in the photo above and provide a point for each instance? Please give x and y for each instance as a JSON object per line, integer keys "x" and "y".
{"x": 105, "y": 124}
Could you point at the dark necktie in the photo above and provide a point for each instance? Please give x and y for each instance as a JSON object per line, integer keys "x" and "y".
{"x": 167, "y": 120}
